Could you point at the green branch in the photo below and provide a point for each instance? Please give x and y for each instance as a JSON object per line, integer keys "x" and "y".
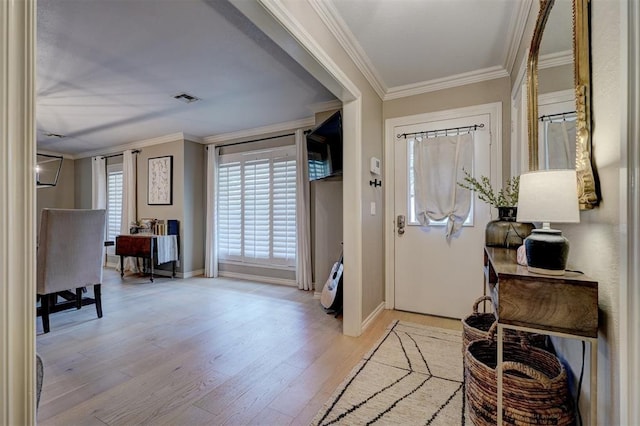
{"x": 506, "y": 197}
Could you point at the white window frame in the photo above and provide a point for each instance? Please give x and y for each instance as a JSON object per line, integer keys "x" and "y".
{"x": 271, "y": 156}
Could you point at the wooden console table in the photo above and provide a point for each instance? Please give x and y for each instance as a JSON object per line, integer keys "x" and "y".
{"x": 563, "y": 306}
{"x": 156, "y": 248}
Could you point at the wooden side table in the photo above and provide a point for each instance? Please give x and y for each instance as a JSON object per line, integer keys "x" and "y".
{"x": 141, "y": 245}
{"x": 564, "y": 306}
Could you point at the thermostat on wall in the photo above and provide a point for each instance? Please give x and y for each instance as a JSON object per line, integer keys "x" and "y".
{"x": 375, "y": 166}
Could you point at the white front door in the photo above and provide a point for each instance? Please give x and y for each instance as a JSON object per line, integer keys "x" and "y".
{"x": 432, "y": 275}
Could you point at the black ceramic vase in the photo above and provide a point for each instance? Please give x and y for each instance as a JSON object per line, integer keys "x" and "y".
{"x": 547, "y": 252}
{"x": 505, "y": 231}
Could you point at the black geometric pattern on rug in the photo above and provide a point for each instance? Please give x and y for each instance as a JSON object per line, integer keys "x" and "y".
{"x": 413, "y": 375}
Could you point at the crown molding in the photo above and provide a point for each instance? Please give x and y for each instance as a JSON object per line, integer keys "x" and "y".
{"x": 192, "y": 138}
{"x": 67, "y": 156}
{"x": 173, "y": 137}
{"x": 516, "y": 33}
{"x": 336, "y": 25}
{"x": 325, "y": 106}
{"x": 259, "y": 131}
{"x": 556, "y": 59}
{"x": 445, "y": 83}
{"x": 546, "y": 61}
{"x": 347, "y": 91}
{"x": 518, "y": 81}
{"x": 559, "y": 96}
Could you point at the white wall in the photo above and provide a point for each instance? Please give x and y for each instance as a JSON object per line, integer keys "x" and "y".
{"x": 60, "y": 196}
{"x": 362, "y": 108}
{"x": 188, "y": 193}
{"x": 194, "y": 207}
{"x": 497, "y": 90}
{"x": 326, "y": 228}
{"x": 595, "y": 242}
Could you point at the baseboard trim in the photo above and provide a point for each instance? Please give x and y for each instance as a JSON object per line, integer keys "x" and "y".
{"x": 164, "y": 273}
{"x": 377, "y": 311}
{"x": 267, "y": 280}
{"x": 190, "y": 274}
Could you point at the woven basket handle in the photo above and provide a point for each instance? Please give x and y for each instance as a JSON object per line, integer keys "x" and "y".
{"x": 491, "y": 333}
{"x": 525, "y": 341}
{"x": 479, "y": 301}
{"x": 527, "y": 371}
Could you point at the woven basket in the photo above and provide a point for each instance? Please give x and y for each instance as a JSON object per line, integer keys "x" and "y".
{"x": 535, "y": 389}
{"x": 477, "y": 325}
{"x": 482, "y": 325}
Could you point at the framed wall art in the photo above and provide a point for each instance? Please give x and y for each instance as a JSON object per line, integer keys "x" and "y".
{"x": 160, "y": 181}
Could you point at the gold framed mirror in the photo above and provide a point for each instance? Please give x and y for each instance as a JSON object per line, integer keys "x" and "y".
{"x": 587, "y": 191}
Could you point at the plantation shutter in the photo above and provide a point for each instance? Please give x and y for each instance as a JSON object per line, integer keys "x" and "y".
{"x": 229, "y": 211}
{"x": 257, "y": 207}
{"x": 257, "y": 196}
{"x": 284, "y": 210}
{"x": 114, "y": 204}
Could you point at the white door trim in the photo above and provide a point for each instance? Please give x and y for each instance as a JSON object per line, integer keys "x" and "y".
{"x": 493, "y": 109}
{"x": 17, "y": 212}
{"x": 629, "y": 352}
{"x": 322, "y": 66}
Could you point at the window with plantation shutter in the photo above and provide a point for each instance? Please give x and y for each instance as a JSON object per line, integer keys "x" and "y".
{"x": 114, "y": 203}
{"x": 257, "y": 207}
{"x": 230, "y": 211}
{"x": 284, "y": 211}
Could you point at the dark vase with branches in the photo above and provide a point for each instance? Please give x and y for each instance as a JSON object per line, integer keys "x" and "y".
{"x": 505, "y": 231}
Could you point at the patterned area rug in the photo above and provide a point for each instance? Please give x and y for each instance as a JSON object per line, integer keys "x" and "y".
{"x": 412, "y": 376}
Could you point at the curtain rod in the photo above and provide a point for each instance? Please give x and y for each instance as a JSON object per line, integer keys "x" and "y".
{"x": 562, "y": 115}
{"x": 135, "y": 151}
{"x": 471, "y": 128}
{"x": 258, "y": 140}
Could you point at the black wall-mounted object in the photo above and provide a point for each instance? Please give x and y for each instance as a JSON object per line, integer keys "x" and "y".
{"x": 47, "y": 170}
{"x": 324, "y": 148}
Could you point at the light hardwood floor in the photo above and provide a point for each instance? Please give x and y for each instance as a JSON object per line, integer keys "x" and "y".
{"x": 198, "y": 351}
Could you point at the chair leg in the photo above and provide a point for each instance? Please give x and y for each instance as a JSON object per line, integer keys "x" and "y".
{"x": 44, "y": 311}
{"x": 97, "y": 295}
{"x": 78, "y": 297}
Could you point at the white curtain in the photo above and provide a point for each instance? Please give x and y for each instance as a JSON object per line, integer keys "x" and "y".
{"x": 99, "y": 183}
{"x": 129, "y": 198}
{"x": 303, "y": 237}
{"x": 211, "y": 246}
{"x": 439, "y": 165}
{"x": 561, "y": 145}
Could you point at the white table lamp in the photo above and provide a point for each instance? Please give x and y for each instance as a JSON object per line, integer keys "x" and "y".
{"x": 548, "y": 196}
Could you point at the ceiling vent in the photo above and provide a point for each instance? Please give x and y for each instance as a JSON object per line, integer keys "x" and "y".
{"x": 54, "y": 135}
{"x": 186, "y": 98}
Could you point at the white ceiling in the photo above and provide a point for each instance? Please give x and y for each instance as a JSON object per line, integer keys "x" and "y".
{"x": 107, "y": 69}
{"x": 422, "y": 45}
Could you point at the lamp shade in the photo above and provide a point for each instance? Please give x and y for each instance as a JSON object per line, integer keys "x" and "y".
{"x": 548, "y": 196}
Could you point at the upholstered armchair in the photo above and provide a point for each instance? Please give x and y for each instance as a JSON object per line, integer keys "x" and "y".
{"x": 70, "y": 257}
